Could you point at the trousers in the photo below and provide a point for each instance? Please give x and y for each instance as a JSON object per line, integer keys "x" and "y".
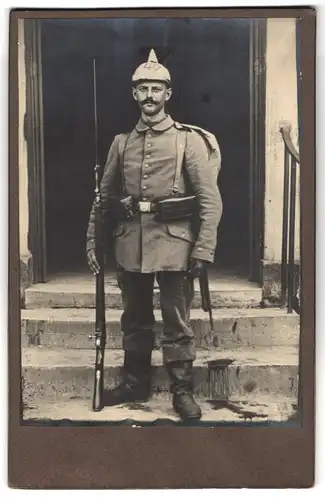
{"x": 138, "y": 320}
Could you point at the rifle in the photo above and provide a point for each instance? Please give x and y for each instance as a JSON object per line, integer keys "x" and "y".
{"x": 100, "y": 321}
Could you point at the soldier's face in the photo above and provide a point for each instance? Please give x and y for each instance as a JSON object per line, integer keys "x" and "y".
{"x": 151, "y": 96}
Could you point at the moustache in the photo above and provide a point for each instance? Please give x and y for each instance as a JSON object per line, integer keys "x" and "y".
{"x": 148, "y": 101}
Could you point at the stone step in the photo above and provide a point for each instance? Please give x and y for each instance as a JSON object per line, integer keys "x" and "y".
{"x": 261, "y": 409}
{"x": 78, "y": 291}
{"x": 219, "y": 373}
{"x": 234, "y": 328}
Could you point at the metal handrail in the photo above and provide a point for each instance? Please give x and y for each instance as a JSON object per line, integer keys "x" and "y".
{"x": 288, "y": 274}
{"x": 286, "y": 135}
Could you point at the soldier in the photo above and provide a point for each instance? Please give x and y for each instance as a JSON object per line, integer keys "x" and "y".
{"x": 160, "y": 160}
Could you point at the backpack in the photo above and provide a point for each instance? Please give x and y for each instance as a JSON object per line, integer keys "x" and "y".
{"x": 210, "y": 141}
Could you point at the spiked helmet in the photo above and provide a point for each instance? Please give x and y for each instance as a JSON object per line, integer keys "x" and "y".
{"x": 151, "y": 70}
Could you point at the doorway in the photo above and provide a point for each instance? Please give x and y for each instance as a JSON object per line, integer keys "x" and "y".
{"x": 210, "y": 64}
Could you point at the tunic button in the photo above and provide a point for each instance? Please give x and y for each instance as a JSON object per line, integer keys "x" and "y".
{"x": 144, "y": 187}
{"x": 148, "y": 155}
{"x": 149, "y": 145}
{"x": 149, "y": 135}
{"x": 146, "y": 165}
{"x": 145, "y": 176}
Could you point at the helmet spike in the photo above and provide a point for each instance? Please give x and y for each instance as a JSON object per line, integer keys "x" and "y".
{"x": 152, "y": 57}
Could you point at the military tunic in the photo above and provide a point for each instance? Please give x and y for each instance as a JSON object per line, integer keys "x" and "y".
{"x": 146, "y": 248}
{"x": 144, "y": 244}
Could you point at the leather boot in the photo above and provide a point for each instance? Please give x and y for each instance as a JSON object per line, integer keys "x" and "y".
{"x": 136, "y": 381}
{"x": 181, "y": 375}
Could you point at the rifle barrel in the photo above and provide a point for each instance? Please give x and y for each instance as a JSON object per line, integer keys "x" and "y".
{"x": 95, "y": 111}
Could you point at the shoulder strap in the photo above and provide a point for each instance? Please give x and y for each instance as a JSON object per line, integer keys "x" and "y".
{"x": 181, "y": 136}
{"x": 121, "y": 144}
{"x": 123, "y": 139}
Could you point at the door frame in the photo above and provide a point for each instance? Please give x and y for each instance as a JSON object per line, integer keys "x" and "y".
{"x": 257, "y": 103}
{"x": 34, "y": 133}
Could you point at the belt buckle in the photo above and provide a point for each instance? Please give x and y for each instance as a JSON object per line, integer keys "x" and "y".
{"x": 144, "y": 206}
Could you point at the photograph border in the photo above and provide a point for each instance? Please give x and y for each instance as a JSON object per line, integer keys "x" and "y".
{"x": 124, "y": 457}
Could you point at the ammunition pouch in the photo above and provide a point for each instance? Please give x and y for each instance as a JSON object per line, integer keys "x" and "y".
{"x": 120, "y": 208}
{"x": 127, "y": 208}
{"x": 171, "y": 209}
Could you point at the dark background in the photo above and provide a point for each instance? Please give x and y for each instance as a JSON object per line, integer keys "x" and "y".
{"x": 209, "y": 63}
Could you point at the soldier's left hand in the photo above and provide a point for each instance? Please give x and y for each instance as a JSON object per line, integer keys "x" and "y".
{"x": 195, "y": 267}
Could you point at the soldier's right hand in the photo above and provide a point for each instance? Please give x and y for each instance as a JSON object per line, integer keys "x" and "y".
{"x": 92, "y": 262}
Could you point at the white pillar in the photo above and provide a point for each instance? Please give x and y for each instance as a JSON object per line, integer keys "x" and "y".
{"x": 25, "y": 255}
{"x": 281, "y": 108}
